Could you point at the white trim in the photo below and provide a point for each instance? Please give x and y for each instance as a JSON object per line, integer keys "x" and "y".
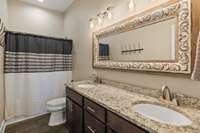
{"x": 2, "y": 127}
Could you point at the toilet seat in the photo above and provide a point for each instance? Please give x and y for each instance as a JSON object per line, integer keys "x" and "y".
{"x": 56, "y": 104}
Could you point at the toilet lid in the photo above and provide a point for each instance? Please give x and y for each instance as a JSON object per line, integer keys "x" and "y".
{"x": 57, "y": 102}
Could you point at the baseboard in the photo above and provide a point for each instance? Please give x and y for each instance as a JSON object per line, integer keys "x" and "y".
{"x": 2, "y": 127}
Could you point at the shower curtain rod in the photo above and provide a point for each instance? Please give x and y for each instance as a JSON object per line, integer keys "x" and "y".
{"x": 35, "y": 35}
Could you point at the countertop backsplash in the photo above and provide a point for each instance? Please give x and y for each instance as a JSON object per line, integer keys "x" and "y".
{"x": 184, "y": 100}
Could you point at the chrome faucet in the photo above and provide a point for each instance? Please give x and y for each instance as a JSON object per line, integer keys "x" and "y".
{"x": 167, "y": 95}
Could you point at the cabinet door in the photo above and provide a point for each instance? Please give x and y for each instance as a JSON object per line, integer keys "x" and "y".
{"x": 74, "y": 117}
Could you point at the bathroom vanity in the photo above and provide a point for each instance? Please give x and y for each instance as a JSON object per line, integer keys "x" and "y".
{"x": 106, "y": 108}
{"x": 85, "y": 115}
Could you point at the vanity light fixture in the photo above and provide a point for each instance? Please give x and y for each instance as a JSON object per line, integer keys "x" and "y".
{"x": 100, "y": 17}
{"x": 131, "y": 5}
{"x": 99, "y": 20}
{"x": 41, "y": 1}
{"x": 109, "y": 15}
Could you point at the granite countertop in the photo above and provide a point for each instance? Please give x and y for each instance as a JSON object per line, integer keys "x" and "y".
{"x": 121, "y": 102}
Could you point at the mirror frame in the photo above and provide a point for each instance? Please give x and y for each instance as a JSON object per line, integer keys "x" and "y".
{"x": 181, "y": 10}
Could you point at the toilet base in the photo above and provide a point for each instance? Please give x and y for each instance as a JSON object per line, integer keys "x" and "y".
{"x": 57, "y": 118}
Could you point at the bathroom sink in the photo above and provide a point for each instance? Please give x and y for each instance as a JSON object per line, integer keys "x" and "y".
{"x": 86, "y": 86}
{"x": 162, "y": 114}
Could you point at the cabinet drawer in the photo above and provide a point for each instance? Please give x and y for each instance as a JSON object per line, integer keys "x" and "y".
{"x": 120, "y": 125}
{"x": 95, "y": 109}
{"x": 93, "y": 125}
{"x": 77, "y": 98}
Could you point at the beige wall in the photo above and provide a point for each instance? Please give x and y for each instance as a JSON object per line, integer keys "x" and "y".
{"x": 3, "y": 16}
{"x": 3, "y": 10}
{"x": 77, "y": 28}
{"x": 32, "y": 19}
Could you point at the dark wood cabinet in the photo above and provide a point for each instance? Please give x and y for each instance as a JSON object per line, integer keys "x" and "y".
{"x": 74, "y": 117}
{"x": 86, "y": 116}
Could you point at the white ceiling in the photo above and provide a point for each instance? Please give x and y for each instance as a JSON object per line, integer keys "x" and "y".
{"x": 57, "y": 5}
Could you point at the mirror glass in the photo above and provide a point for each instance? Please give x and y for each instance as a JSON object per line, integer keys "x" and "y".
{"x": 153, "y": 42}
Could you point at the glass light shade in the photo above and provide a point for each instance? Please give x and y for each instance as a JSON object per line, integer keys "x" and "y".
{"x": 110, "y": 15}
{"x": 99, "y": 20}
{"x": 131, "y": 5}
{"x": 41, "y": 1}
{"x": 91, "y": 24}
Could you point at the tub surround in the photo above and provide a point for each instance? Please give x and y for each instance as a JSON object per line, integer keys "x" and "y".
{"x": 120, "y": 98}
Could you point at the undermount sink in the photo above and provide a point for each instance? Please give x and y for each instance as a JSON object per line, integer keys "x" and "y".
{"x": 162, "y": 114}
{"x": 86, "y": 86}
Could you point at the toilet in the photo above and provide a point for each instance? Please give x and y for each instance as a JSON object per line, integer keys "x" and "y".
{"x": 57, "y": 109}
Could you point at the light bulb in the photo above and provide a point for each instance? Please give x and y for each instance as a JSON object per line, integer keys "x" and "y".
{"x": 131, "y": 5}
{"x": 99, "y": 20}
{"x": 91, "y": 24}
{"x": 109, "y": 15}
{"x": 41, "y": 1}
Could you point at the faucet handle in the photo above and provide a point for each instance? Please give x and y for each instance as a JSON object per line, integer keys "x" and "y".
{"x": 175, "y": 100}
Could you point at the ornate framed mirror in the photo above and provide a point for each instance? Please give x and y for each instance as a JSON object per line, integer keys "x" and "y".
{"x": 2, "y": 33}
{"x": 156, "y": 40}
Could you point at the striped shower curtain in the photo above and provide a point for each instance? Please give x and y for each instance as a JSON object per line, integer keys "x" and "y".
{"x": 104, "y": 52}
{"x": 36, "y": 69}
